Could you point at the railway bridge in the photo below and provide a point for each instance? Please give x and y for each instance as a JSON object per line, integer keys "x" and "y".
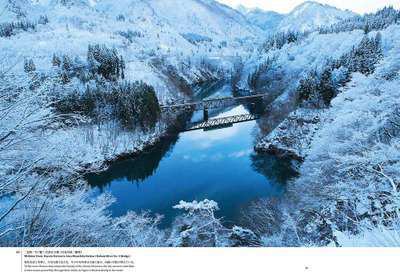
{"x": 207, "y": 104}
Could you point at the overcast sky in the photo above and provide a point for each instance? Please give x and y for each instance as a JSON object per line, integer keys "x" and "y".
{"x": 285, "y": 6}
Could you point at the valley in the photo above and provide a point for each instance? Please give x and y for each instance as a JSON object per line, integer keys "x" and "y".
{"x": 88, "y": 157}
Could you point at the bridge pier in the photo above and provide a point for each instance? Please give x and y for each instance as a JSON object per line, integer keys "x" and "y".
{"x": 252, "y": 107}
{"x": 205, "y": 114}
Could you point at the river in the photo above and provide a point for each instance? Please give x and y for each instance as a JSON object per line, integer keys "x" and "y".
{"x": 219, "y": 164}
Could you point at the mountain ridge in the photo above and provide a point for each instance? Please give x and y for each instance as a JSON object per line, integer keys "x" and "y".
{"x": 307, "y": 16}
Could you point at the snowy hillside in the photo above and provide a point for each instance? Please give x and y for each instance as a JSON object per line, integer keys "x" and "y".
{"x": 202, "y": 17}
{"x": 142, "y": 31}
{"x": 348, "y": 149}
{"x": 311, "y": 15}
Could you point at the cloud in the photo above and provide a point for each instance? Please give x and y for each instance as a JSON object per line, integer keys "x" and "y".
{"x": 240, "y": 154}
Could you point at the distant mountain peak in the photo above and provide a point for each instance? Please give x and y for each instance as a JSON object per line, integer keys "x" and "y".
{"x": 311, "y": 5}
{"x": 311, "y": 15}
{"x": 242, "y": 9}
{"x": 307, "y": 16}
{"x": 245, "y": 10}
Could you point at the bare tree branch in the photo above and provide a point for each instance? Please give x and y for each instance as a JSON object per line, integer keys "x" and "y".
{"x": 388, "y": 178}
{"x": 3, "y": 216}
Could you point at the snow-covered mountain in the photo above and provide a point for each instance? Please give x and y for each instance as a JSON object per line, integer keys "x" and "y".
{"x": 203, "y": 17}
{"x": 144, "y": 31}
{"x": 305, "y": 17}
{"x": 311, "y": 15}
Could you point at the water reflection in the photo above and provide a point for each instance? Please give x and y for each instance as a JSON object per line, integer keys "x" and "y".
{"x": 134, "y": 170}
{"x": 273, "y": 168}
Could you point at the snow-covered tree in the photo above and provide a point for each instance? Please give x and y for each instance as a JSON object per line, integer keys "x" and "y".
{"x": 105, "y": 62}
{"x": 369, "y": 22}
{"x": 326, "y": 87}
{"x": 198, "y": 227}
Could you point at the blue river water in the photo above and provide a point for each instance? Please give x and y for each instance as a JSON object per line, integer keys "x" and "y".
{"x": 220, "y": 165}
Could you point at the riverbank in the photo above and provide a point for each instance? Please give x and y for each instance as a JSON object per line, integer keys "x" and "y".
{"x": 293, "y": 137}
{"x": 349, "y": 176}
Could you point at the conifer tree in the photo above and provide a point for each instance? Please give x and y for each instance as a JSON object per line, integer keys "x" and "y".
{"x": 56, "y": 61}
{"x": 29, "y": 66}
{"x": 326, "y": 87}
